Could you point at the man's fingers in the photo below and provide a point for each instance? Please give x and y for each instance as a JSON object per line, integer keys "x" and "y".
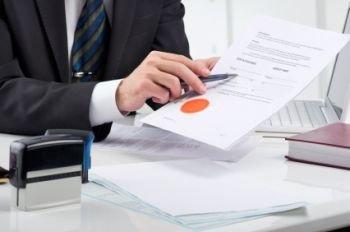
{"x": 169, "y": 81}
{"x": 184, "y": 73}
{"x": 196, "y": 67}
{"x": 157, "y": 93}
{"x": 209, "y": 63}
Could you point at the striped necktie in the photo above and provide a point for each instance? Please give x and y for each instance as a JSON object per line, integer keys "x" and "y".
{"x": 90, "y": 42}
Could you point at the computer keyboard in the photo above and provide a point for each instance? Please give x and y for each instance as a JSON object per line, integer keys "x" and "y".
{"x": 297, "y": 116}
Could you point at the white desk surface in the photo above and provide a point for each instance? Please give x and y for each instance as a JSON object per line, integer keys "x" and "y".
{"x": 93, "y": 215}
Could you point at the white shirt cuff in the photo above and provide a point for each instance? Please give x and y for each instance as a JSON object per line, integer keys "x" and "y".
{"x": 103, "y": 107}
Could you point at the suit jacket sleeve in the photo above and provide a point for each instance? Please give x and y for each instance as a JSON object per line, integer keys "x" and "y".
{"x": 29, "y": 106}
{"x": 171, "y": 36}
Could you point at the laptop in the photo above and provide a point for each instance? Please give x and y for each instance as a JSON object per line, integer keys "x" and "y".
{"x": 302, "y": 116}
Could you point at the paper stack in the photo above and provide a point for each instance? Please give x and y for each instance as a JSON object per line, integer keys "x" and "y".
{"x": 100, "y": 190}
{"x": 198, "y": 194}
{"x": 155, "y": 142}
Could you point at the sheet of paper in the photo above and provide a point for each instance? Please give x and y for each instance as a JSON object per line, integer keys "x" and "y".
{"x": 104, "y": 191}
{"x": 160, "y": 143}
{"x": 199, "y": 186}
{"x": 275, "y": 60}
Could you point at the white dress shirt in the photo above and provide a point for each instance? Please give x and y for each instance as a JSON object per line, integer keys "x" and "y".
{"x": 103, "y": 107}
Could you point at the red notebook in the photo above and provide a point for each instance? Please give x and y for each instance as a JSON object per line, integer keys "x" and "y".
{"x": 327, "y": 146}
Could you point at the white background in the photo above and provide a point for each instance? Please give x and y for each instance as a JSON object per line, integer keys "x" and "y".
{"x": 212, "y": 25}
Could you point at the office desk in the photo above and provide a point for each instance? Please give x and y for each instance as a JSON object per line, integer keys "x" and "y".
{"x": 93, "y": 215}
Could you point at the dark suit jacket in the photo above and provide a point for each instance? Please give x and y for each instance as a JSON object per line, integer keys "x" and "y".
{"x": 35, "y": 89}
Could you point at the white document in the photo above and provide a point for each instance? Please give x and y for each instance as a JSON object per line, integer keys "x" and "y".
{"x": 107, "y": 192}
{"x": 194, "y": 187}
{"x": 275, "y": 61}
{"x": 160, "y": 143}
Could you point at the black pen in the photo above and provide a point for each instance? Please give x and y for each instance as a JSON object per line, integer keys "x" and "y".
{"x": 211, "y": 78}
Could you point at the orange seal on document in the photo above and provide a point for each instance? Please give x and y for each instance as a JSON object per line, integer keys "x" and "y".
{"x": 194, "y": 106}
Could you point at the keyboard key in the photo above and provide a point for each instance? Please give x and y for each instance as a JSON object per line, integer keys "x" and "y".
{"x": 315, "y": 114}
{"x": 293, "y": 114}
{"x": 329, "y": 114}
{"x": 275, "y": 120}
{"x": 303, "y": 115}
{"x": 284, "y": 115}
{"x": 267, "y": 123}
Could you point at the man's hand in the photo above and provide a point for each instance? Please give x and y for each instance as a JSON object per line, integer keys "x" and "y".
{"x": 158, "y": 77}
{"x": 209, "y": 63}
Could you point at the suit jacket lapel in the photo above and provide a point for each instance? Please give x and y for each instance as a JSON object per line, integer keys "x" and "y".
{"x": 123, "y": 15}
{"x": 53, "y": 16}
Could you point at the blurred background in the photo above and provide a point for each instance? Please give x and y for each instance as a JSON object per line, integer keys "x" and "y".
{"x": 212, "y": 25}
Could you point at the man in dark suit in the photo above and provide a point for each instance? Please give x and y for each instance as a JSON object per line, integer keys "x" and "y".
{"x": 82, "y": 64}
